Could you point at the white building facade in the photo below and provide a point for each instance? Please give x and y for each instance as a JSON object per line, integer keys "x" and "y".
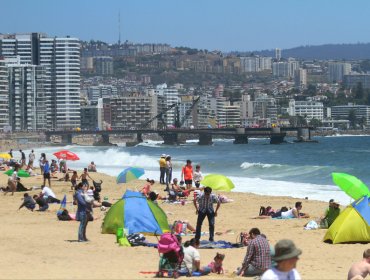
{"x": 307, "y": 109}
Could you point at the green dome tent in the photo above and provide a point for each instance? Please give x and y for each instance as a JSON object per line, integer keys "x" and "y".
{"x": 137, "y": 214}
{"x": 352, "y": 225}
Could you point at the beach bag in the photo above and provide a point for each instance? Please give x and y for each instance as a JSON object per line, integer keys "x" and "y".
{"x": 136, "y": 239}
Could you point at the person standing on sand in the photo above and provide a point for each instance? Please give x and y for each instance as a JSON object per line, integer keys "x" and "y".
{"x": 81, "y": 214}
{"x": 162, "y": 169}
{"x": 204, "y": 207}
{"x": 23, "y": 158}
{"x": 31, "y": 159}
{"x": 360, "y": 269}
{"x": 46, "y": 172}
{"x": 258, "y": 257}
{"x": 286, "y": 258}
{"x": 84, "y": 176}
{"x": 11, "y": 153}
{"x": 168, "y": 173}
{"x": 41, "y": 162}
{"x": 187, "y": 174}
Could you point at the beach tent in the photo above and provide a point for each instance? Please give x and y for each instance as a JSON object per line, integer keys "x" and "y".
{"x": 352, "y": 225}
{"x": 137, "y": 214}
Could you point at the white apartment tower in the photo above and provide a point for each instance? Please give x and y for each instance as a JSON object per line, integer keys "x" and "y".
{"x": 60, "y": 58}
{"x": 4, "y": 96}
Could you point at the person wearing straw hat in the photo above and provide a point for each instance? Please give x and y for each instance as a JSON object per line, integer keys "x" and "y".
{"x": 286, "y": 258}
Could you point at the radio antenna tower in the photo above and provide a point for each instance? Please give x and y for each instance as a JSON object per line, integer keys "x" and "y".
{"x": 119, "y": 28}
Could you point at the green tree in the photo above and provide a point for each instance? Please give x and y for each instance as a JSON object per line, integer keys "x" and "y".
{"x": 359, "y": 91}
{"x": 315, "y": 122}
{"x": 352, "y": 118}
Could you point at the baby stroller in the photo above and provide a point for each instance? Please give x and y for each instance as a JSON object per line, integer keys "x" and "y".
{"x": 171, "y": 255}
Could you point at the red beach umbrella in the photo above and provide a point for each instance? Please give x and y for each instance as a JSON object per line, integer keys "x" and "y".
{"x": 66, "y": 155}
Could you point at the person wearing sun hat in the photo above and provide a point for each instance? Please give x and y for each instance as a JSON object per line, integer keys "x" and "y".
{"x": 286, "y": 258}
{"x": 331, "y": 213}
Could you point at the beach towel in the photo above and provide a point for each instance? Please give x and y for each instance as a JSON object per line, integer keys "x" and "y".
{"x": 221, "y": 244}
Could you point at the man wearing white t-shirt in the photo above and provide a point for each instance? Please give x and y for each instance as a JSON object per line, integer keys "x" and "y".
{"x": 286, "y": 257}
{"x": 49, "y": 195}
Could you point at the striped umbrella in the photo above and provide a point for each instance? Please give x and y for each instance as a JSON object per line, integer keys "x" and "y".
{"x": 130, "y": 173}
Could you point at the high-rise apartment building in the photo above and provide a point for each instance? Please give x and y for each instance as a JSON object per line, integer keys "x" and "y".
{"x": 255, "y": 64}
{"x": 337, "y": 70}
{"x": 278, "y": 54}
{"x": 60, "y": 58}
{"x": 285, "y": 69}
{"x": 26, "y": 97}
{"x": 167, "y": 96}
{"x": 4, "y": 95}
{"x": 300, "y": 78}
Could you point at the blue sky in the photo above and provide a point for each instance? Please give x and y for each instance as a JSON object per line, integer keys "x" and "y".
{"x": 226, "y": 25}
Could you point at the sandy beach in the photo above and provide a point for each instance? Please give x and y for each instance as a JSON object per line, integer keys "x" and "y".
{"x": 37, "y": 246}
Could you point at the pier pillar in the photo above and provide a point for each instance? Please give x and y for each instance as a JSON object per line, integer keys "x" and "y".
{"x": 105, "y": 139}
{"x": 67, "y": 138}
{"x": 277, "y": 138}
{"x": 170, "y": 138}
{"x": 303, "y": 134}
{"x": 205, "y": 139}
{"x": 241, "y": 139}
{"x": 139, "y": 137}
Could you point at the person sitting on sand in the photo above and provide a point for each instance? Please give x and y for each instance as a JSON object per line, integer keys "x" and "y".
{"x": 216, "y": 264}
{"x": 12, "y": 181}
{"x": 178, "y": 190}
{"x": 286, "y": 258}
{"x": 331, "y": 213}
{"x": 258, "y": 257}
{"x": 146, "y": 189}
{"x": 42, "y": 202}
{"x": 91, "y": 167}
{"x": 48, "y": 195}
{"x": 191, "y": 262}
{"x": 360, "y": 269}
{"x": 28, "y": 202}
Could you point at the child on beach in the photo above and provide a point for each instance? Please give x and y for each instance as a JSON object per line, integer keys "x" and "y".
{"x": 74, "y": 180}
{"x": 216, "y": 265}
{"x": 146, "y": 189}
{"x": 84, "y": 176}
{"x": 197, "y": 176}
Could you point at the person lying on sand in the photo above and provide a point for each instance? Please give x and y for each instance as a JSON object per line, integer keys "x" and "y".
{"x": 288, "y": 214}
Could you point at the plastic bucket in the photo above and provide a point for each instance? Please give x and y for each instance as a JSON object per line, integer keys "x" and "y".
{"x": 119, "y": 234}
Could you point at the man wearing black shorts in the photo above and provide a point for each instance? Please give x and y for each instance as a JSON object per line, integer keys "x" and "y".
{"x": 46, "y": 172}
{"x": 187, "y": 174}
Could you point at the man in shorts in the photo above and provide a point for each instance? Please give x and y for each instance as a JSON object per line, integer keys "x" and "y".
{"x": 46, "y": 172}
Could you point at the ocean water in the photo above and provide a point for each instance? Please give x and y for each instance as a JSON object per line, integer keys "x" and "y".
{"x": 294, "y": 169}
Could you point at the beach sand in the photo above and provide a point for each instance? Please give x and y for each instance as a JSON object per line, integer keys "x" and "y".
{"x": 37, "y": 246}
